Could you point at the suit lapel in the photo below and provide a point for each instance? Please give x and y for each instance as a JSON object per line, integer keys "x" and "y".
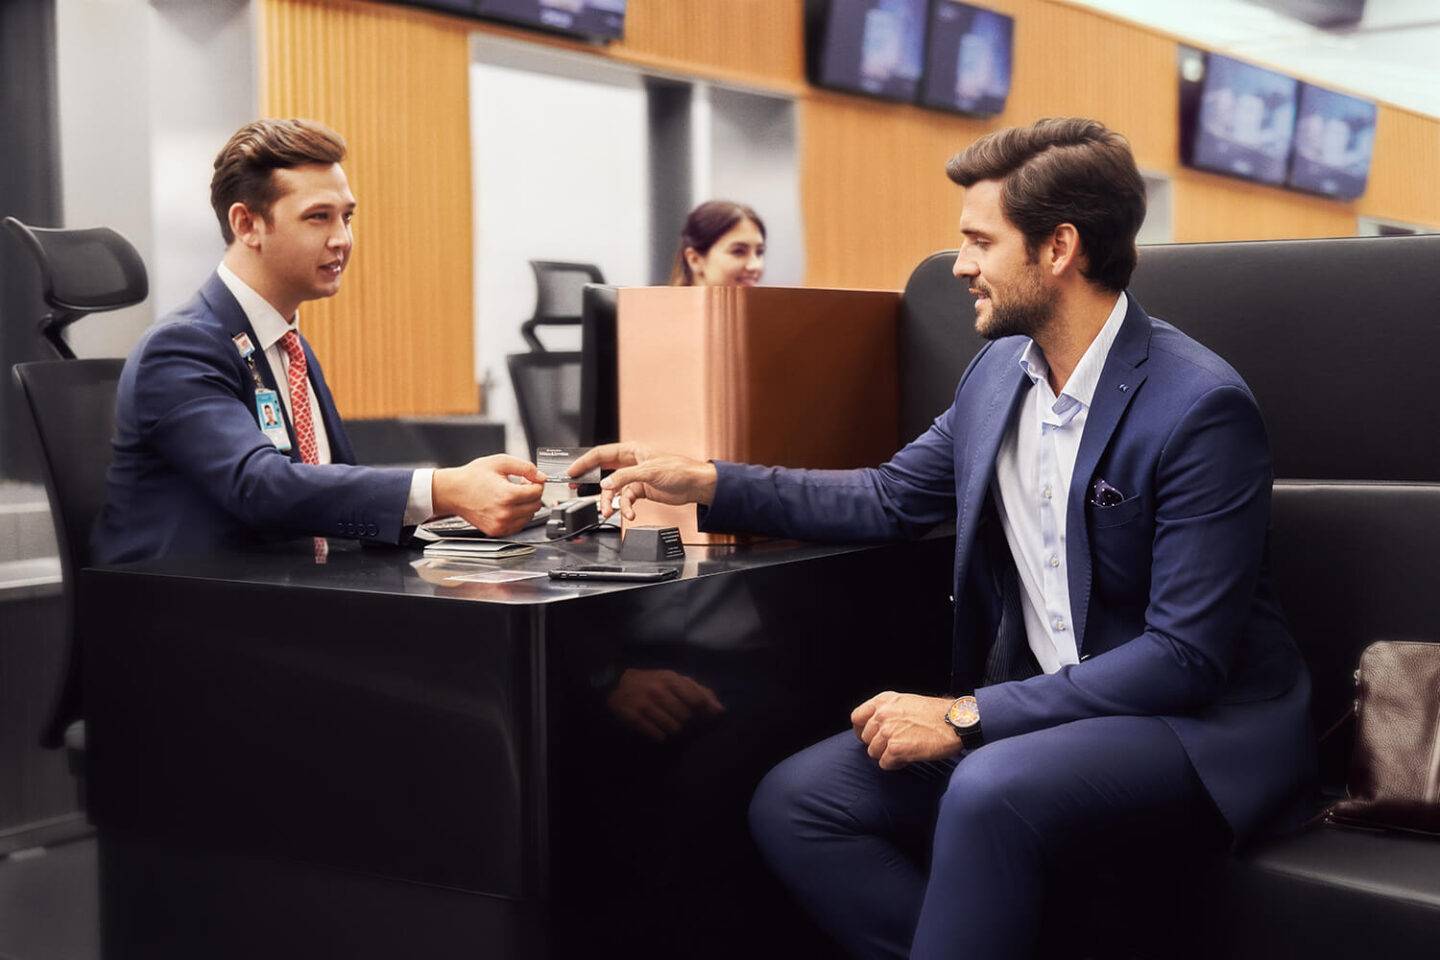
{"x": 1119, "y": 381}
{"x": 979, "y": 468}
{"x": 232, "y": 318}
{"x": 974, "y": 475}
{"x": 340, "y": 449}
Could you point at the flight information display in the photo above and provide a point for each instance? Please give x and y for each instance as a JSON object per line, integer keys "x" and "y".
{"x": 1246, "y": 121}
{"x": 599, "y": 19}
{"x": 873, "y": 46}
{"x": 1334, "y": 138}
{"x": 967, "y": 63}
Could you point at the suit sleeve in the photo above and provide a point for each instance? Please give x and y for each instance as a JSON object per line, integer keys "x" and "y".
{"x": 189, "y": 408}
{"x": 900, "y": 499}
{"x": 1212, "y": 508}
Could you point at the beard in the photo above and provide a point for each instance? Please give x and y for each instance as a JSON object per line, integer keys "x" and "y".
{"x": 1026, "y": 310}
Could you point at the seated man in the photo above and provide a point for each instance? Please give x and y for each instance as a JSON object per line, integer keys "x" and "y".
{"x": 225, "y": 431}
{"x": 1121, "y": 668}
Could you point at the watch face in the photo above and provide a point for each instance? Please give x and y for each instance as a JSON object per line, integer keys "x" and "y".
{"x": 963, "y": 713}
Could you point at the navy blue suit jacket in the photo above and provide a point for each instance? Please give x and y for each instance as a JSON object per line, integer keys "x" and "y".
{"x": 191, "y": 470}
{"x": 1171, "y": 601}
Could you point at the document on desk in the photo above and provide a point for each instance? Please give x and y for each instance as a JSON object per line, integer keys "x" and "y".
{"x": 496, "y": 576}
{"x": 478, "y": 549}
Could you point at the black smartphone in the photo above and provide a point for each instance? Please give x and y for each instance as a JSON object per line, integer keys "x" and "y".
{"x": 632, "y": 574}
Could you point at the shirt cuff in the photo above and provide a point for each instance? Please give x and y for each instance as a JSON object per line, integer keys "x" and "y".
{"x": 421, "y": 504}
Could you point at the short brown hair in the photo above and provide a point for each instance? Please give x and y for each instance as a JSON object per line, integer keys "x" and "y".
{"x": 244, "y": 164}
{"x": 706, "y": 224}
{"x": 1067, "y": 170}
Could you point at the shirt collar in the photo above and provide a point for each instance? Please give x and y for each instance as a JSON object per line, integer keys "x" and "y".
{"x": 1080, "y": 388}
{"x": 266, "y": 321}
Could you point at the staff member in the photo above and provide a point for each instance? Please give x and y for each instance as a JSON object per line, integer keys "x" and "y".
{"x": 721, "y": 245}
{"x": 1122, "y": 670}
{"x": 197, "y": 465}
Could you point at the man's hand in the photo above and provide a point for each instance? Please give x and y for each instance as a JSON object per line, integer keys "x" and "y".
{"x": 644, "y": 474}
{"x": 901, "y": 728}
{"x": 659, "y": 703}
{"x": 483, "y": 493}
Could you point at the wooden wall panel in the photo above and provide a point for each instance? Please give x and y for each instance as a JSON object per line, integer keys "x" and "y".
{"x": 1405, "y": 176}
{"x": 398, "y": 338}
{"x": 753, "y": 41}
{"x": 1212, "y": 207}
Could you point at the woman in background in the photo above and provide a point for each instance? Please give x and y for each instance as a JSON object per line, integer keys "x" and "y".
{"x": 722, "y": 244}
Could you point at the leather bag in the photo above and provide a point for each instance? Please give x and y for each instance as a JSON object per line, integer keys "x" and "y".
{"x": 1394, "y": 779}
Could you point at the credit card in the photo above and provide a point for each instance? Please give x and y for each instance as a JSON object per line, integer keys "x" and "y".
{"x": 554, "y": 461}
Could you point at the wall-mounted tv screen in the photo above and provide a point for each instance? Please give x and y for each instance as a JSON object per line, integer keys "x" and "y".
{"x": 1244, "y": 122}
{"x": 967, "y": 59}
{"x": 876, "y": 47}
{"x": 597, "y": 19}
{"x": 1334, "y": 136}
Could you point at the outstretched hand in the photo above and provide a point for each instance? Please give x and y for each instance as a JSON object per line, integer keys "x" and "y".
{"x": 644, "y": 474}
{"x": 483, "y": 492}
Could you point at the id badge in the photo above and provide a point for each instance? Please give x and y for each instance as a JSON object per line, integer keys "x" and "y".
{"x": 270, "y": 418}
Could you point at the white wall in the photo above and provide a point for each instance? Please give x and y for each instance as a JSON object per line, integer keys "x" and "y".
{"x": 203, "y": 86}
{"x": 748, "y": 153}
{"x": 148, "y": 92}
{"x": 559, "y": 161}
{"x": 103, "y": 96}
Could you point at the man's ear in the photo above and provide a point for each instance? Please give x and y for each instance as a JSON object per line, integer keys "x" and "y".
{"x": 1064, "y": 250}
{"x": 245, "y": 225}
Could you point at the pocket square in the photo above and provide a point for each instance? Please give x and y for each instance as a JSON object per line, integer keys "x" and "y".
{"x": 1104, "y": 495}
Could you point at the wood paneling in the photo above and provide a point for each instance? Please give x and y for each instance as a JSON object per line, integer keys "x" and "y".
{"x": 1212, "y": 207}
{"x": 398, "y": 338}
{"x": 753, "y": 41}
{"x": 1405, "y": 175}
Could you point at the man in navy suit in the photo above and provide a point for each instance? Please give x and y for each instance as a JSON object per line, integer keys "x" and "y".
{"x": 1122, "y": 675}
{"x": 200, "y": 460}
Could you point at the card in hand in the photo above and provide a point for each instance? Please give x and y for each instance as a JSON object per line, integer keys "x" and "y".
{"x": 555, "y": 461}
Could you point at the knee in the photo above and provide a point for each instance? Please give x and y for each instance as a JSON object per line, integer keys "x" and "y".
{"x": 986, "y": 788}
{"x": 799, "y": 798}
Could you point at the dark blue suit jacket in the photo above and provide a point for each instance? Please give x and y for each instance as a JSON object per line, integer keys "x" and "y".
{"x": 191, "y": 470}
{"x": 1172, "y": 604}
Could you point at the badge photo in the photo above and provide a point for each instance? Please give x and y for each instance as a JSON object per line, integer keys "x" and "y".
{"x": 268, "y": 416}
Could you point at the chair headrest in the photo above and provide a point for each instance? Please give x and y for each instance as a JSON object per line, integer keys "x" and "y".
{"x": 85, "y": 270}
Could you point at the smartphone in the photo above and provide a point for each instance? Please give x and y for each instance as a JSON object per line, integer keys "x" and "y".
{"x": 632, "y": 574}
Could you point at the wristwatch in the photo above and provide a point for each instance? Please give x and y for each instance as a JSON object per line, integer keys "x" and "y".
{"x": 964, "y": 718}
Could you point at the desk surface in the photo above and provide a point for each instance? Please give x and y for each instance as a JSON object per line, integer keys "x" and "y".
{"x": 406, "y": 572}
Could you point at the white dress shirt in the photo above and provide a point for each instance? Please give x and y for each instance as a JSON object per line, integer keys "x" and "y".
{"x": 270, "y": 328}
{"x": 1033, "y": 470}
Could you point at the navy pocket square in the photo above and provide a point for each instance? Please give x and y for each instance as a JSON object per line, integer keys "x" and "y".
{"x": 1104, "y": 495}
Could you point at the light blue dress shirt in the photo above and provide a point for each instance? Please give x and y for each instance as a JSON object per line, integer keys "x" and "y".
{"x": 1033, "y": 471}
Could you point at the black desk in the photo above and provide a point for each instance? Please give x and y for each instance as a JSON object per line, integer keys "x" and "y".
{"x": 380, "y": 726}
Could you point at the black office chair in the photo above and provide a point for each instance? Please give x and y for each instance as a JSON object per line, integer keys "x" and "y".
{"x": 559, "y": 288}
{"x": 547, "y": 392}
{"x": 81, "y": 272}
{"x": 73, "y": 406}
{"x": 72, "y": 403}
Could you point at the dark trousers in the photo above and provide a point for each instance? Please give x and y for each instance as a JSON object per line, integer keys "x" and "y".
{"x": 951, "y": 859}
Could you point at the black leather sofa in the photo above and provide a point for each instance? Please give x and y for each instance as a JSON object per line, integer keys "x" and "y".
{"x": 1338, "y": 339}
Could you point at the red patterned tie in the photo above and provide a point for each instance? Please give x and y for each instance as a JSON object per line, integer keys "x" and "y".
{"x": 298, "y": 373}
